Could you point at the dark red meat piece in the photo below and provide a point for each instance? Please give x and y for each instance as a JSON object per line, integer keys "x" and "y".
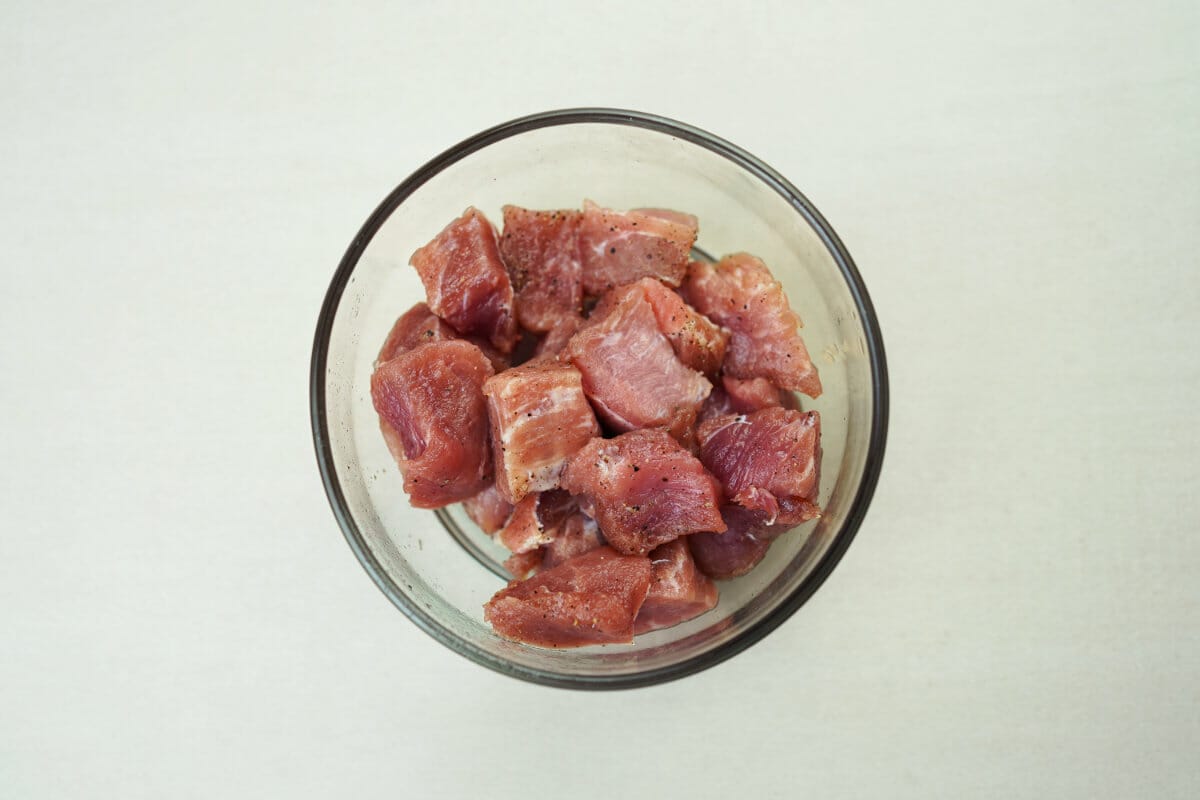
{"x": 678, "y": 591}
{"x": 740, "y": 294}
{"x": 432, "y": 399}
{"x": 736, "y": 551}
{"x": 630, "y": 372}
{"x": 488, "y": 509}
{"x": 591, "y": 599}
{"x": 541, "y": 251}
{"x": 644, "y": 489}
{"x": 767, "y": 461}
{"x": 539, "y": 418}
{"x": 465, "y": 281}
{"x": 618, "y": 248}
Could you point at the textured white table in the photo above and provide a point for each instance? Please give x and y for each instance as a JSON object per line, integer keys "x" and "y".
{"x": 1020, "y": 614}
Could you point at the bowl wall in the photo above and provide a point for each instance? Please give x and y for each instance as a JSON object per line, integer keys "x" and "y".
{"x": 620, "y": 160}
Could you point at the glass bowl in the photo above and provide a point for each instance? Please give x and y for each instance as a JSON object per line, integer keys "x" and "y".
{"x": 437, "y": 567}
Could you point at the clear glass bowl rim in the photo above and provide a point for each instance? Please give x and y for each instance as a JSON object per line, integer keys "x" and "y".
{"x": 874, "y": 341}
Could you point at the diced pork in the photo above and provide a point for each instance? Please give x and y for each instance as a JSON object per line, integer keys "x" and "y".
{"x": 767, "y": 461}
{"x": 555, "y": 340}
{"x": 644, "y": 490}
{"x": 541, "y": 251}
{"x": 591, "y": 599}
{"x": 524, "y": 531}
{"x": 391, "y": 437}
{"x": 718, "y": 403}
{"x": 677, "y": 217}
{"x": 415, "y": 327}
{"x": 419, "y": 326}
{"x": 751, "y": 394}
{"x": 698, "y": 342}
{"x": 630, "y": 372}
{"x": 618, "y": 248}
{"x": 465, "y": 281}
{"x": 735, "y": 396}
{"x": 522, "y": 565}
{"x": 736, "y": 551}
{"x": 579, "y": 534}
{"x": 488, "y": 509}
{"x": 537, "y": 520}
{"x": 739, "y": 293}
{"x": 432, "y": 399}
{"x": 678, "y": 591}
{"x": 539, "y": 418}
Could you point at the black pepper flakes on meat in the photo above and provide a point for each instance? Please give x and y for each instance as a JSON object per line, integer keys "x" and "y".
{"x": 612, "y": 250}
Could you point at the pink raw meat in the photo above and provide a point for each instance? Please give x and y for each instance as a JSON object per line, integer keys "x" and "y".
{"x": 579, "y": 534}
{"x": 419, "y": 326}
{"x": 767, "y": 461}
{"x": 488, "y": 509}
{"x": 539, "y": 418}
{"x": 522, "y": 565}
{"x": 432, "y": 399}
{"x": 751, "y": 394}
{"x": 523, "y": 532}
{"x": 465, "y": 280}
{"x": 678, "y": 591}
{"x": 718, "y": 403}
{"x": 555, "y": 340}
{"x": 698, "y": 342}
{"x": 541, "y": 251}
{"x": 644, "y": 490}
{"x": 630, "y": 372}
{"x": 736, "y": 551}
{"x": 739, "y": 293}
{"x": 591, "y": 599}
{"x": 618, "y": 248}
{"x": 537, "y": 520}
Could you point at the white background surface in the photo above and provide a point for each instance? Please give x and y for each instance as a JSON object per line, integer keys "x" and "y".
{"x": 1020, "y": 614}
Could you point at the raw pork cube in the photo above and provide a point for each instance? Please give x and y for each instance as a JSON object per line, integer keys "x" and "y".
{"x": 541, "y": 251}
{"x": 644, "y": 489}
{"x": 537, "y": 520}
{"x": 579, "y": 534}
{"x": 522, "y": 565}
{"x": 555, "y": 340}
{"x": 415, "y": 327}
{"x": 678, "y": 591}
{"x": 591, "y": 599}
{"x": 432, "y": 399}
{"x": 735, "y": 396}
{"x": 488, "y": 509}
{"x": 618, "y": 248}
{"x": 740, "y": 294}
{"x": 752, "y": 394}
{"x": 539, "y": 417}
{"x": 419, "y": 325}
{"x": 767, "y": 461}
{"x": 736, "y": 551}
{"x": 630, "y": 372}
{"x": 465, "y": 280}
{"x": 698, "y": 342}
